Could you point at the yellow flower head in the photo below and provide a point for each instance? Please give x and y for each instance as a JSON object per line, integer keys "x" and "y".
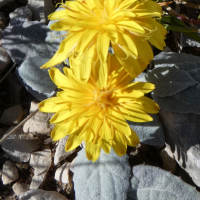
{"x": 92, "y": 25}
{"x": 96, "y": 111}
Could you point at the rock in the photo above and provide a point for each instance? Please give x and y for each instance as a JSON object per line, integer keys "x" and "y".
{"x": 150, "y": 133}
{"x": 37, "y": 180}
{"x": 54, "y": 38}
{"x": 12, "y": 116}
{"x": 41, "y": 9}
{"x": 26, "y": 40}
{"x": 62, "y": 173}
{"x": 14, "y": 88}
{"x": 20, "y": 15}
{"x": 71, "y": 167}
{"x": 36, "y": 80}
{"x": 19, "y": 188}
{"x": 5, "y": 60}
{"x": 169, "y": 162}
{"x": 4, "y": 2}
{"x": 9, "y": 173}
{"x": 41, "y": 162}
{"x": 39, "y": 123}
{"x": 19, "y": 146}
{"x": 61, "y": 154}
{"x": 41, "y": 195}
{"x": 182, "y": 134}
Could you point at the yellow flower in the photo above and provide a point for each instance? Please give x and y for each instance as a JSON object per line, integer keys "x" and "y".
{"x": 96, "y": 111}
{"x": 129, "y": 26}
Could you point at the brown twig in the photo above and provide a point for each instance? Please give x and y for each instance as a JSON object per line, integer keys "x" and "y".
{"x": 18, "y": 126}
{"x": 22, "y": 122}
{"x": 8, "y": 72}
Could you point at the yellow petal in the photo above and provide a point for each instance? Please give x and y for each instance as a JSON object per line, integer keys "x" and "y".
{"x": 119, "y": 143}
{"x": 131, "y": 26}
{"x": 103, "y": 43}
{"x": 135, "y": 115}
{"x": 65, "y": 114}
{"x": 59, "y": 78}
{"x": 145, "y": 104}
{"x": 107, "y": 137}
{"x": 51, "y": 105}
{"x": 75, "y": 139}
{"x": 132, "y": 66}
{"x": 144, "y": 87}
{"x": 127, "y": 3}
{"x": 93, "y": 151}
{"x": 133, "y": 139}
{"x": 100, "y": 74}
{"x": 64, "y": 51}
{"x": 118, "y": 121}
{"x": 148, "y": 9}
{"x": 131, "y": 45}
{"x": 144, "y": 49}
{"x": 85, "y": 40}
{"x": 60, "y": 131}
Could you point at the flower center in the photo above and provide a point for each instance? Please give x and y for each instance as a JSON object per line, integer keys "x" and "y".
{"x": 104, "y": 21}
{"x": 102, "y": 98}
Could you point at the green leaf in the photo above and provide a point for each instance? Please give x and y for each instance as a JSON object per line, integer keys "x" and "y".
{"x": 174, "y": 24}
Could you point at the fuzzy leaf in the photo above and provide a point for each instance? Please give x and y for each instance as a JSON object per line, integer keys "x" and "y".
{"x": 176, "y": 78}
{"x": 150, "y": 133}
{"x": 152, "y": 183}
{"x": 107, "y": 178}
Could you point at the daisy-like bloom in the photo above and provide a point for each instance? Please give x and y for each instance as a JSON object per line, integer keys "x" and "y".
{"x": 129, "y": 26}
{"x": 96, "y": 111}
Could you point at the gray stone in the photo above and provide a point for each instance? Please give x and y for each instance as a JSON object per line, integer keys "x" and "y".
{"x": 61, "y": 154}
{"x": 9, "y": 173}
{"x": 4, "y": 2}
{"x": 26, "y": 40}
{"x": 19, "y": 146}
{"x": 41, "y": 195}
{"x": 150, "y": 133}
{"x": 41, "y": 162}
{"x": 169, "y": 162}
{"x": 36, "y": 80}
{"x": 5, "y": 60}
{"x": 12, "y": 116}
{"x": 20, "y": 15}
{"x": 62, "y": 173}
{"x": 19, "y": 188}
{"x": 39, "y": 123}
{"x": 182, "y": 134}
{"x": 41, "y": 9}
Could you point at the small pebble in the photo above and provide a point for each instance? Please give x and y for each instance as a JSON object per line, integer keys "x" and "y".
{"x": 9, "y": 173}
{"x": 12, "y": 116}
{"x": 19, "y": 188}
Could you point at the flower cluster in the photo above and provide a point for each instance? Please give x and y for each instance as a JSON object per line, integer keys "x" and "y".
{"x": 129, "y": 26}
{"x": 97, "y": 93}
